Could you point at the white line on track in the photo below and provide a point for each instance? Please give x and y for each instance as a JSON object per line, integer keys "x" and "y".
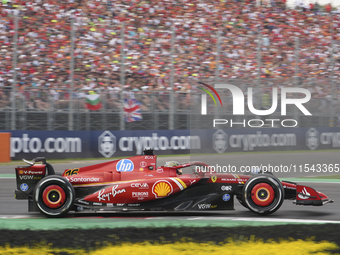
{"x": 249, "y": 219}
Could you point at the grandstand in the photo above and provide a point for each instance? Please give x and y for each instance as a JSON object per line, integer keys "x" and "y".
{"x": 54, "y": 52}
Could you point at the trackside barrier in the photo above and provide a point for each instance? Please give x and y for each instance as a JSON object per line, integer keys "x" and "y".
{"x": 112, "y": 143}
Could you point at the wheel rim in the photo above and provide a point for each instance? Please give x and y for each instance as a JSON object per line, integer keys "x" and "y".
{"x": 54, "y": 196}
{"x": 262, "y": 194}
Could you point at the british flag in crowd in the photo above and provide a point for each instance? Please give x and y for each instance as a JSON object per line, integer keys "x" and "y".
{"x": 132, "y": 111}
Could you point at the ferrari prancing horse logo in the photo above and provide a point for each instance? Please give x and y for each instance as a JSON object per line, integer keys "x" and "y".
{"x": 214, "y": 178}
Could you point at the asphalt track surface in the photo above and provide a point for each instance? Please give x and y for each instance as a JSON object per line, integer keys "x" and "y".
{"x": 12, "y": 208}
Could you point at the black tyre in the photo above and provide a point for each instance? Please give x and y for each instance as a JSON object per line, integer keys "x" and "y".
{"x": 54, "y": 196}
{"x": 263, "y": 194}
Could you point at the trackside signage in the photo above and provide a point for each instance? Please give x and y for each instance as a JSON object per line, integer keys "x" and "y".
{"x": 82, "y": 144}
{"x": 111, "y": 143}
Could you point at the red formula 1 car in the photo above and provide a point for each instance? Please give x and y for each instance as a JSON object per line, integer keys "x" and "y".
{"x": 137, "y": 184}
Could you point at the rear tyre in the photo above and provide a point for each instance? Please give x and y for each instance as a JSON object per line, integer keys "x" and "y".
{"x": 263, "y": 194}
{"x": 54, "y": 196}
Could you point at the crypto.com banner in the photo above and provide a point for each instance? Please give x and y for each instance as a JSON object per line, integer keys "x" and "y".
{"x": 267, "y": 139}
{"x": 88, "y": 144}
{"x": 85, "y": 144}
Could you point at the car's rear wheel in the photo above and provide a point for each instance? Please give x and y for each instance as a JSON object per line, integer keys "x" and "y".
{"x": 54, "y": 196}
{"x": 263, "y": 194}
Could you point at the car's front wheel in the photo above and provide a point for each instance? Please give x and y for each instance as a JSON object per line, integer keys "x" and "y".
{"x": 263, "y": 194}
{"x": 53, "y": 196}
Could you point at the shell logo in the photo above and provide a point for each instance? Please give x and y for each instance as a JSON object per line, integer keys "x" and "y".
{"x": 162, "y": 189}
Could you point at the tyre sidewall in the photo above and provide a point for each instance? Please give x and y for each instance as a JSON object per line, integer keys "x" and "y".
{"x": 278, "y": 196}
{"x": 53, "y": 180}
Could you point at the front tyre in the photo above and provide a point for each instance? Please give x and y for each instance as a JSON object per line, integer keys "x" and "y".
{"x": 54, "y": 196}
{"x": 263, "y": 194}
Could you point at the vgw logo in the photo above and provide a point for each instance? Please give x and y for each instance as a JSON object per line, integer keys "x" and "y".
{"x": 239, "y": 102}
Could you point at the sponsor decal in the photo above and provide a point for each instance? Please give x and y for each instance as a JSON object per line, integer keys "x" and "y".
{"x": 160, "y": 170}
{"x": 149, "y": 157}
{"x": 288, "y": 187}
{"x": 162, "y": 189}
{"x": 26, "y": 177}
{"x": 304, "y": 195}
{"x": 312, "y": 138}
{"x": 192, "y": 181}
{"x": 226, "y": 188}
{"x": 140, "y": 195}
{"x": 206, "y": 206}
{"x": 228, "y": 180}
{"x": 30, "y": 172}
{"x": 107, "y": 144}
{"x": 95, "y": 203}
{"x": 214, "y": 178}
{"x": 24, "y": 187}
{"x": 143, "y": 164}
{"x": 140, "y": 185}
{"x": 102, "y": 196}
{"x": 29, "y": 177}
{"x": 109, "y": 205}
{"x": 83, "y": 179}
{"x": 124, "y": 165}
{"x": 226, "y": 197}
{"x": 141, "y": 169}
{"x": 133, "y": 204}
{"x": 120, "y": 204}
{"x": 71, "y": 172}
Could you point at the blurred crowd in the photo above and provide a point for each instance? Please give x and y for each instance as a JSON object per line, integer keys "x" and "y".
{"x": 43, "y": 56}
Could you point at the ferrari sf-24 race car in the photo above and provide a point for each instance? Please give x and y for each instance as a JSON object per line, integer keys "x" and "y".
{"x": 137, "y": 184}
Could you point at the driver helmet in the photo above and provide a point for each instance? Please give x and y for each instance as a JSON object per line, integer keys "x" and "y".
{"x": 172, "y": 164}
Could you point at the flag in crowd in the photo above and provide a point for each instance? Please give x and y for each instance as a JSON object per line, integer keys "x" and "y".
{"x": 93, "y": 101}
{"x": 132, "y": 111}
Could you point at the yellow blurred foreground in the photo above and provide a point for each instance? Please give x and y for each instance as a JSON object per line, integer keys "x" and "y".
{"x": 291, "y": 247}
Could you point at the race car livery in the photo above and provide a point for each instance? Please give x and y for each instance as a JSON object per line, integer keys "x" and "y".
{"x": 137, "y": 184}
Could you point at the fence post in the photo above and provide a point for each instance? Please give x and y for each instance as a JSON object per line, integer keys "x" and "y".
{"x": 297, "y": 61}
{"x": 70, "y": 114}
{"x": 103, "y": 96}
{"x": 171, "y": 113}
{"x": 217, "y": 68}
{"x": 259, "y": 62}
{"x": 331, "y": 124}
{"x": 122, "y": 76}
{"x": 15, "y": 52}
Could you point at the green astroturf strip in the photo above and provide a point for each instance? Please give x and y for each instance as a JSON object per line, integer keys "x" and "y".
{"x": 90, "y": 223}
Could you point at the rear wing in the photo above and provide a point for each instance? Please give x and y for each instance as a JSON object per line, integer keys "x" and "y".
{"x": 28, "y": 176}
